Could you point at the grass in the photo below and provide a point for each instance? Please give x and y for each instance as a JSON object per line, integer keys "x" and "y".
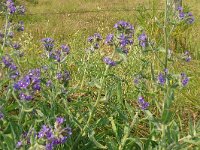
{"x": 74, "y": 28}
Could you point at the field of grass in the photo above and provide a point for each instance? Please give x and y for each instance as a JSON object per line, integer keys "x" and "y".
{"x": 74, "y": 28}
{"x": 100, "y": 103}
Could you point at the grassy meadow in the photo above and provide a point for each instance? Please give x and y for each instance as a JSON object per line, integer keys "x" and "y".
{"x": 107, "y": 96}
{"x": 74, "y": 28}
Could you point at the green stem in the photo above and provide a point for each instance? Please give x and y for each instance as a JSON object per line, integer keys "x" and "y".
{"x": 5, "y": 32}
{"x": 165, "y": 34}
{"x": 85, "y": 69}
{"x": 163, "y": 132}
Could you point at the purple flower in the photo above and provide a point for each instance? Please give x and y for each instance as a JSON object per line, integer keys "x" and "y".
{"x": 36, "y": 87}
{"x": 30, "y": 83}
{"x": 49, "y": 146}
{"x": 94, "y": 40}
{"x": 109, "y": 39}
{"x": 65, "y": 49}
{"x": 180, "y": 8}
{"x": 96, "y": 46}
{"x": 48, "y": 44}
{"x": 14, "y": 75}
{"x": 161, "y": 79}
{"x": 59, "y": 76}
{"x": 49, "y": 83}
{"x": 19, "y": 144}
{"x": 124, "y": 26}
{"x": 184, "y": 79}
{"x": 188, "y": 59}
{"x": 109, "y": 62}
{"x": 16, "y": 46}
{"x": 190, "y": 19}
{"x": 181, "y": 15}
{"x": 136, "y": 81}
{"x": 13, "y": 67}
{"x": 45, "y": 132}
{"x": 60, "y": 120}
{"x": 10, "y": 34}
{"x": 97, "y": 36}
{"x": 187, "y": 56}
{"x": 124, "y": 41}
{"x": 90, "y": 39}
{"x": 26, "y": 97}
{"x": 20, "y": 26}
{"x": 143, "y": 105}
{"x": 24, "y": 83}
{"x": 1, "y": 115}
{"x": 8, "y": 62}
{"x": 66, "y": 75}
{"x": 10, "y": 6}
{"x": 166, "y": 70}
{"x": 143, "y": 40}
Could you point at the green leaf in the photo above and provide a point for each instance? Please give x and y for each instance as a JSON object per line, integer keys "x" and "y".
{"x": 114, "y": 128}
{"x": 39, "y": 112}
{"x": 119, "y": 92}
{"x": 92, "y": 138}
{"x": 166, "y": 116}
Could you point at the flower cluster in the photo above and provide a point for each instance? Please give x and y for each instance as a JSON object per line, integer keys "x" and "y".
{"x": 188, "y": 16}
{"x": 54, "y": 136}
{"x": 49, "y": 136}
{"x": 124, "y": 36}
{"x": 94, "y": 41}
{"x": 161, "y": 79}
{"x": 110, "y": 39}
{"x": 184, "y": 79}
{"x": 8, "y": 63}
{"x": 109, "y": 62}
{"x": 143, "y": 105}
{"x": 124, "y": 27}
{"x": 60, "y": 54}
{"x": 48, "y": 44}
{"x": 28, "y": 85}
{"x": 63, "y": 76}
{"x": 143, "y": 40}
{"x": 121, "y": 40}
{"x": 10, "y": 6}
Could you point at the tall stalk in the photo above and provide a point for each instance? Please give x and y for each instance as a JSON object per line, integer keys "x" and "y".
{"x": 5, "y": 34}
{"x": 165, "y": 33}
{"x": 85, "y": 69}
{"x": 163, "y": 128}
